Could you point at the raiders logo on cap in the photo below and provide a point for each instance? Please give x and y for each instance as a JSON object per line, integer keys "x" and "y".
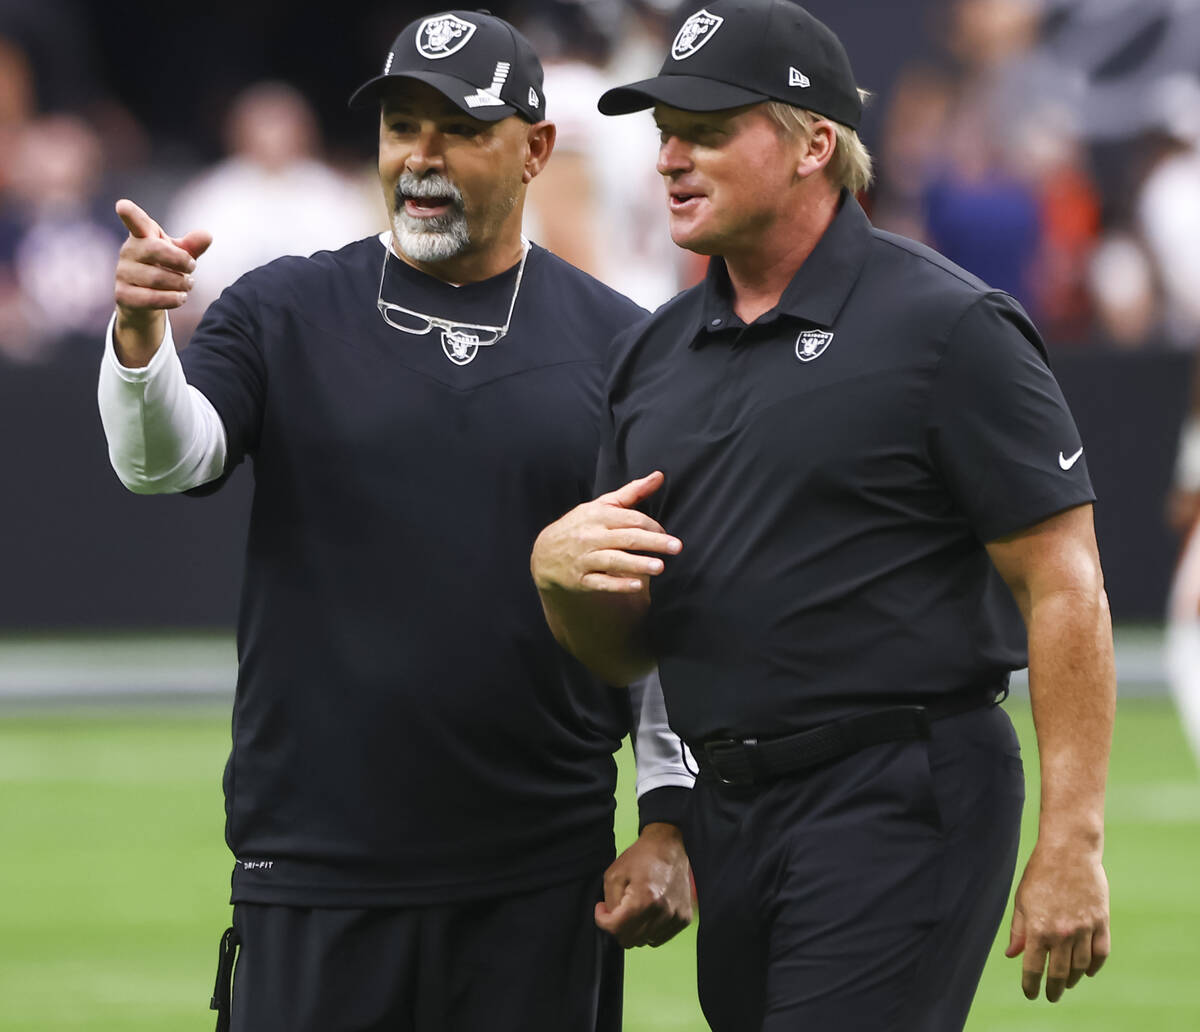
{"x": 443, "y": 35}
{"x": 470, "y": 57}
{"x": 694, "y": 33}
{"x": 768, "y": 50}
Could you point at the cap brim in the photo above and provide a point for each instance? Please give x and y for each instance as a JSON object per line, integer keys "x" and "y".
{"x": 451, "y": 87}
{"x": 686, "y": 92}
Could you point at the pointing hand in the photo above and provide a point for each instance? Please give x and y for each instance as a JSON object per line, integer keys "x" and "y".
{"x": 153, "y": 274}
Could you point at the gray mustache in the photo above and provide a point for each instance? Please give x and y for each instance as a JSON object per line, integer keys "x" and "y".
{"x": 432, "y": 185}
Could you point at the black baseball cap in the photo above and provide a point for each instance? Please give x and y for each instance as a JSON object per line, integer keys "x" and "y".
{"x": 735, "y": 52}
{"x": 473, "y": 58}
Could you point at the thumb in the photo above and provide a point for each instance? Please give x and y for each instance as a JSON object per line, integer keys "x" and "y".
{"x": 604, "y": 918}
{"x": 137, "y": 221}
{"x": 616, "y": 890}
{"x": 196, "y": 242}
{"x": 628, "y": 496}
{"x": 1016, "y": 938}
{"x": 610, "y": 919}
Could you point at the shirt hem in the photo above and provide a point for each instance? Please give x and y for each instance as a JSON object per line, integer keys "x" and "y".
{"x": 350, "y": 890}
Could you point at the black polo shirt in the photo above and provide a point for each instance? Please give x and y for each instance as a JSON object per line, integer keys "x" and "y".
{"x": 406, "y": 729}
{"x": 834, "y": 470}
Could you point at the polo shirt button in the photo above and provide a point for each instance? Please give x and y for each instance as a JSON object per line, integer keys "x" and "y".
{"x": 716, "y": 322}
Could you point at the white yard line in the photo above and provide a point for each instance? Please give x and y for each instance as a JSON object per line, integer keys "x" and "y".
{"x": 117, "y": 666}
{"x": 122, "y": 665}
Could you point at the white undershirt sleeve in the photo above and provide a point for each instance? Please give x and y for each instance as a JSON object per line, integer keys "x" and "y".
{"x": 659, "y": 752}
{"x": 164, "y": 436}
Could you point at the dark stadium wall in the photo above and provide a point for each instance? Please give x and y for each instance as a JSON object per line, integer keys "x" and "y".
{"x": 80, "y": 552}
{"x": 1129, "y": 407}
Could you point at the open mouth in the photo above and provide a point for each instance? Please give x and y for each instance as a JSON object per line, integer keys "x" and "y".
{"x": 428, "y": 207}
{"x": 682, "y": 202}
{"x": 428, "y": 197}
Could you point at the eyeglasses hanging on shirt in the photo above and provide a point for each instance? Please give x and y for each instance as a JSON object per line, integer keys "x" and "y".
{"x": 461, "y": 341}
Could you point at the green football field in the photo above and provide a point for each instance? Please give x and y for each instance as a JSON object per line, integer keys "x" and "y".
{"x": 114, "y": 877}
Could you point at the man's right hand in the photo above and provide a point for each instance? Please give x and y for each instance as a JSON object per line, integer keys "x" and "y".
{"x": 595, "y": 584}
{"x": 594, "y": 547}
{"x": 153, "y": 275}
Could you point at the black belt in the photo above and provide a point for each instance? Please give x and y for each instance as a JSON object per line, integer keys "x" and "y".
{"x": 749, "y": 761}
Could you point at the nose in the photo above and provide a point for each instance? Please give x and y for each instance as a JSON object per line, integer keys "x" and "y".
{"x": 673, "y": 156}
{"x": 427, "y": 153}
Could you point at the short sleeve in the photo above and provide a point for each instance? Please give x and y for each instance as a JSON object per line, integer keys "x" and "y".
{"x": 1001, "y": 435}
{"x": 224, "y": 361}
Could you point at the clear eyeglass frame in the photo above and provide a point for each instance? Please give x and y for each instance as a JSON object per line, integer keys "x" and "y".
{"x": 479, "y": 334}
{"x": 461, "y": 333}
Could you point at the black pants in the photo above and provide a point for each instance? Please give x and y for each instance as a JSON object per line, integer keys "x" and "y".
{"x": 522, "y": 963}
{"x": 862, "y": 896}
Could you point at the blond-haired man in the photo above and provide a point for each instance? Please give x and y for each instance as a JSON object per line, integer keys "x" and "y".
{"x": 838, "y": 475}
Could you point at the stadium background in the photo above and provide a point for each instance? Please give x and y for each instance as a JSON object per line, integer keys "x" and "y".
{"x": 1034, "y": 140}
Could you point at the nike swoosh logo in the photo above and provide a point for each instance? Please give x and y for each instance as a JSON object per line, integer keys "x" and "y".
{"x": 1066, "y": 463}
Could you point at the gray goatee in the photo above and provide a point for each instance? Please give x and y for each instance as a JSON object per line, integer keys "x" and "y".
{"x": 429, "y": 239}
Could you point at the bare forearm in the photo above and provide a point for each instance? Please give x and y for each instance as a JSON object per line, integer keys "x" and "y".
{"x": 1060, "y": 911}
{"x": 1073, "y": 692}
{"x": 605, "y": 632}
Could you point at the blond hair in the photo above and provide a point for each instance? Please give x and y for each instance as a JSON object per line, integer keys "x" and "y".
{"x": 850, "y": 165}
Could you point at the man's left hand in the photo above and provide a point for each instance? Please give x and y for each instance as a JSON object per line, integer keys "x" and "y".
{"x": 647, "y": 890}
{"x": 1060, "y": 921}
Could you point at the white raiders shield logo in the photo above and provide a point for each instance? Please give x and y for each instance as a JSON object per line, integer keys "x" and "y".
{"x": 695, "y": 32}
{"x": 459, "y": 346}
{"x": 443, "y": 36}
{"x": 812, "y": 344}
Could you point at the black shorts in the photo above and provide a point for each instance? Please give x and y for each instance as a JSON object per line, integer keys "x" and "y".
{"x": 862, "y": 896}
{"x": 522, "y": 963}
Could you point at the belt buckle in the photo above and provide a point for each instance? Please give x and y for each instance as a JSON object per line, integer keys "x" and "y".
{"x": 720, "y": 749}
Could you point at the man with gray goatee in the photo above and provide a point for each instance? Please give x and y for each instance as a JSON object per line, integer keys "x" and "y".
{"x": 420, "y": 792}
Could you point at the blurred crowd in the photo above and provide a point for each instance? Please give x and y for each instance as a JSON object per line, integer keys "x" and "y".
{"x": 1050, "y": 146}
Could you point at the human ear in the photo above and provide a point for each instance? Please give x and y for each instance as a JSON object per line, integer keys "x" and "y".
{"x": 539, "y": 146}
{"x": 817, "y": 150}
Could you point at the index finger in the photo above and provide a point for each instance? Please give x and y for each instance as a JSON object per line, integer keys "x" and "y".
{"x": 628, "y": 495}
{"x": 613, "y": 517}
{"x": 136, "y": 220}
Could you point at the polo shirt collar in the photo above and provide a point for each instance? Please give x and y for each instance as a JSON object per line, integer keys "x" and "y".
{"x": 816, "y": 292}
